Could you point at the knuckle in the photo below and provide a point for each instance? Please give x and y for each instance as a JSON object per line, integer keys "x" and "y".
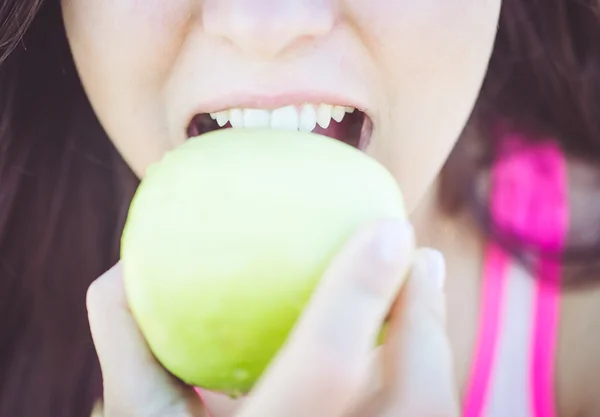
{"x": 94, "y": 295}
{"x": 98, "y": 297}
{"x": 375, "y": 281}
{"x": 104, "y": 290}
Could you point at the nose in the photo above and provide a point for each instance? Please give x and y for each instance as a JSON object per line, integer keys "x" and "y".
{"x": 267, "y": 28}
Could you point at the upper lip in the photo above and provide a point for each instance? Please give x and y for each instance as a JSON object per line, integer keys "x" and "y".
{"x": 274, "y": 101}
{"x": 326, "y": 78}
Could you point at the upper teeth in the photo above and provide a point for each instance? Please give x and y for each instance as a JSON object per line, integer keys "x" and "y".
{"x": 304, "y": 118}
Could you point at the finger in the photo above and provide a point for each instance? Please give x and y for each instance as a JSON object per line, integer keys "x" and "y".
{"x": 219, "y": 405}
{"x": 418, "y": 353}
{"x": 134, "y": 382}
{"x": 322, "y": 366}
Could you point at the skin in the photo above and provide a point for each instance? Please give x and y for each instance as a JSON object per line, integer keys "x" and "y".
{"x": 149, "y": 66}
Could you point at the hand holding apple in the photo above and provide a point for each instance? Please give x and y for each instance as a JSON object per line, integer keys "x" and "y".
{"x": 327, "y": 366}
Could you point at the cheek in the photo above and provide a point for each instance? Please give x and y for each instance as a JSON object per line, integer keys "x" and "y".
{"x": 432, "y": 56}
{"x": 125, "y": 34}
{"x": 124, "y": 50}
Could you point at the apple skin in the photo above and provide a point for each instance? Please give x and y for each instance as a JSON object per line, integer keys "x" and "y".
{"x": 228, "y": 236}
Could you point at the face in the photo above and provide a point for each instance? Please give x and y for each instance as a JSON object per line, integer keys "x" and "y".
{"x": 158, "y": 72}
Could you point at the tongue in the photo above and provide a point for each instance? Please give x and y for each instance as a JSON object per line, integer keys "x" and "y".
{"x": 335, "y": 130}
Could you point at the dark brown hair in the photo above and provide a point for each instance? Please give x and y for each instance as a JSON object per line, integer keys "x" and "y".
{"x": 544, "y": 81}
{"x": 64, "y": 190}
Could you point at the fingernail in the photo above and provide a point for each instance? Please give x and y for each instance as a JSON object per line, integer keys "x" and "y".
{"x": 391, "y": 240}
{"x": 429, "y": 266}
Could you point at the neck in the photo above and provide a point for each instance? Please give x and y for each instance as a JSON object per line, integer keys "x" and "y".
{"x": 435, "y": 228}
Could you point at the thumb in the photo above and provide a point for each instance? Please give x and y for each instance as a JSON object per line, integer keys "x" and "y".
{"x": 322, "y": 366}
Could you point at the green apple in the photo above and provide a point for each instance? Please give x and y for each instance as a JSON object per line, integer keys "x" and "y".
{"x": 228, "y": 236}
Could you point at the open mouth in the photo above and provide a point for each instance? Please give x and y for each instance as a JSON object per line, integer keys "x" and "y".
{"x": 345, "y": 124}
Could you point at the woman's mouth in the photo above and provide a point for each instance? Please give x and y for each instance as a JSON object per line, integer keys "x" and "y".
{"x": 343, "y": 123}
